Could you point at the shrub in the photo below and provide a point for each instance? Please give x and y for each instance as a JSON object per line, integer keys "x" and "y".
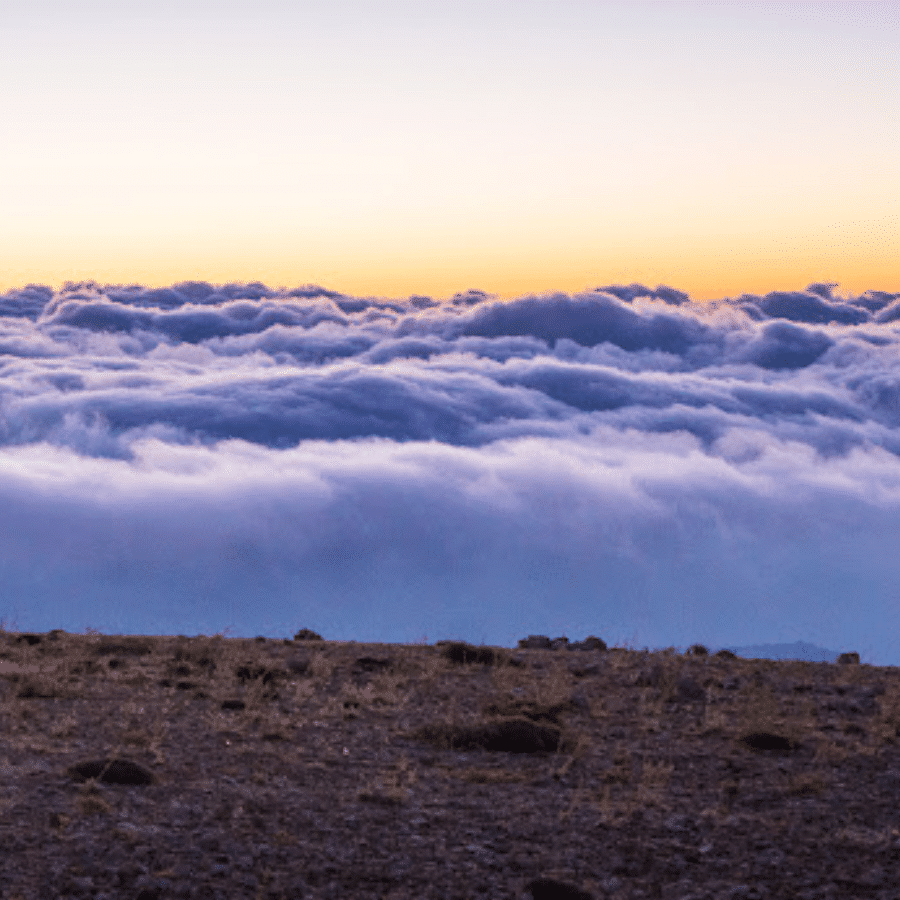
{"x": 507, "y": 736}
{"x": 593, "y": 643}
{"x": 304, "y": 634}
{"x": 535, "y": 642}
{"x": 461, "y": 653}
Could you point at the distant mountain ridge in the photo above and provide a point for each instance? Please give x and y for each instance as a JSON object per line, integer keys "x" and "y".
{"x": 797, "y": 650}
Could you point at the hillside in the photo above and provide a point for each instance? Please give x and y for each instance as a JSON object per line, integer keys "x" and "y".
{"x": 211, "y": 767}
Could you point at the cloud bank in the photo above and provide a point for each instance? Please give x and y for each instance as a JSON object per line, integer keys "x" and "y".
{"x": 622, "y": 462}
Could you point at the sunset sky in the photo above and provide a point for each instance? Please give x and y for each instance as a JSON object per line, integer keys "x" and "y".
{"x": 397, "y": 148}
{"x": 411, "y": 321}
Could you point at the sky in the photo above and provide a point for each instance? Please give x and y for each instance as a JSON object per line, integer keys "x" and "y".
{"x": 394, "y": 148}
{"x": 412, "y": 321}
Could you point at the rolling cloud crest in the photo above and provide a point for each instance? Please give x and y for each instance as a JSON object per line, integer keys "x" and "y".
{"x": 621, "y": 461}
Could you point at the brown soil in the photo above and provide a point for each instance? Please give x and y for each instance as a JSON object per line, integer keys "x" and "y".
{"x": 210, "y": 767}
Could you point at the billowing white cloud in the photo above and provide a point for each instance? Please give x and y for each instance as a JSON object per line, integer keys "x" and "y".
{"x": 620, "y": 462}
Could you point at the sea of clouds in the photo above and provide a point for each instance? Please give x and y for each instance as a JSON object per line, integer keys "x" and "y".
{"x": 621, "y": 462}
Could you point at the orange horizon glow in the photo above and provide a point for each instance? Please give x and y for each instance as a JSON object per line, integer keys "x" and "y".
{"x": 505, "y": 280}
{"x": 718, "y": 148}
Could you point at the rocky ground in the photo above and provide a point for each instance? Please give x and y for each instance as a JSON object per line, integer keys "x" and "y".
{"x": 211, "y": 767}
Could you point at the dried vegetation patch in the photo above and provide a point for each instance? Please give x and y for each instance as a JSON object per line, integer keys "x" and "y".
{"x": 282, "y": 768}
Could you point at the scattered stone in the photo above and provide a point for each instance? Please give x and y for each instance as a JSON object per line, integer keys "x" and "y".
{"x": 36, "y": 690}
{"x": 380, "y": 799}
{"x": 112, "y": 771}
{"x": 551, "y": 889}
{"x": 767, "y": 740}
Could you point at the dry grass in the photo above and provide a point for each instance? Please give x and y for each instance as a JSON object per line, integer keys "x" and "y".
{"x": 62, "y": 666}
{"x": 627, "y": 721}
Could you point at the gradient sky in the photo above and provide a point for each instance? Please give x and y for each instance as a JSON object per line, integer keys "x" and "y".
{"x": 429, "y": 320}
{"x": 431, "y": 147}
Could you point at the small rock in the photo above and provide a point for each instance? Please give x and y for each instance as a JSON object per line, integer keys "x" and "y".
{"x": 551, "y": 889}
{"x": 767, "y": 740}
{"x": 112, "y": 771}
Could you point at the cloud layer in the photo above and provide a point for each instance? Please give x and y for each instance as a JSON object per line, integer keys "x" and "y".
{"x": 621, "y": 462}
